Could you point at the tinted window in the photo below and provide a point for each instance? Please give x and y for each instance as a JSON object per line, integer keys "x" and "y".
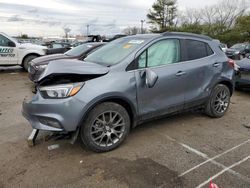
{"x": 197, "y": 49}
{"x": 4, "y": 41}
{"x": 161, "y": 53}
{"x": 57, "y": 46}
{"x": 209, "y": 50}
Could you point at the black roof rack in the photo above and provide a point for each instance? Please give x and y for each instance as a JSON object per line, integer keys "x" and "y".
{"x": 187, "y": 35}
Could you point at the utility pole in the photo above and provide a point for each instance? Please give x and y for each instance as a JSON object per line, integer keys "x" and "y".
{"x": 142, "y": 21}
{"x": 88, "y": 30}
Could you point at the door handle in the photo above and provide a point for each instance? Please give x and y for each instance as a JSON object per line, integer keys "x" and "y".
{"x": 216, "y": 64}
{"x": 180, "y": 73}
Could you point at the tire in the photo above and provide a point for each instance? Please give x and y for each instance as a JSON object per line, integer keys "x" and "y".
{"x": 98, "y": 133}
{"x": 27, "y": 60}
{"x": 219, "y": 101}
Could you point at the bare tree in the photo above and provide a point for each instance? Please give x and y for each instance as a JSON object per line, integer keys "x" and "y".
{"x": 132, "y": 30}
{"x": 66, "y": 31}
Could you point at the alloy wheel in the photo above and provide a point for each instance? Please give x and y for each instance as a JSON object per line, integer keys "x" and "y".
{"x": 221, "y": 101}
{"x": 107, "y": 128}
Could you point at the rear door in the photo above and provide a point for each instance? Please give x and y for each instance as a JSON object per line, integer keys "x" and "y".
{"x": 8, "y": 53}
{"x": 201, "y": 68}
{"x": 167, "y": 95}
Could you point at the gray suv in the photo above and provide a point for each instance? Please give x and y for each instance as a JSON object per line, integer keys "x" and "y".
{"x": 129, "y": 81}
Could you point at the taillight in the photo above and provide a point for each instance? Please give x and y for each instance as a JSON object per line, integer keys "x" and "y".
{"x": 232, "y": 64}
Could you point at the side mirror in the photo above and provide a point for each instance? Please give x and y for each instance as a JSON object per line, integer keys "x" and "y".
{"x": 151, "y": 78}
{"x": 11, "y": 44}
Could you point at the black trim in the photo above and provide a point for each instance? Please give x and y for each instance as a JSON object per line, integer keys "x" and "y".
{"x": 183, "y": 34}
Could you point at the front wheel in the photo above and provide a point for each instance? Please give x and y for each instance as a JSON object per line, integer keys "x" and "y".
{"x": 27, "y": 61}
{"x": 105, "y": 127}
{"x": 219, "y": 101}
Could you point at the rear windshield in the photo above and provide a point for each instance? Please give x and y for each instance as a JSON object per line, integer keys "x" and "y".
{"x": 114, "y": 52}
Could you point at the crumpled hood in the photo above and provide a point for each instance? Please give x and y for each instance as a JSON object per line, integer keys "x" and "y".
{"x": 244, "y": 64}
{"x": 46, "y": 59}
{"x": 60, "y": 67}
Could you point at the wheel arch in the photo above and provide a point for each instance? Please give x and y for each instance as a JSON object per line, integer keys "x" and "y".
{"x": 29, "y": 54}
{"x": 124, "y": 102}
{"x": 229, "y": 84}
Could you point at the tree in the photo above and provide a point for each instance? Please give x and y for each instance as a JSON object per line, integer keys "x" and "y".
{"x": 132, "y": 30}
{"x": 162, "y": 14}
{"x": 24, "y": 36}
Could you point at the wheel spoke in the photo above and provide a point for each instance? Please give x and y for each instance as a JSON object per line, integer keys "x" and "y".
{"x": 107, "y": 128}
{"x": 97, "y": 131}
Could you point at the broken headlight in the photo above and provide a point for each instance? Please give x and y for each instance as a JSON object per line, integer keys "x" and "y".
{"x": 60, "y": 91}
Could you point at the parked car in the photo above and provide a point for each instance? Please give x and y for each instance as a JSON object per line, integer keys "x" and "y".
{"x": 113, "y": 37}
{"x": 129, "y": 81}
{"x": 58, "y": 47}
{"x": 14, "y": 53}
{"x": 38, "y": 65}
{"x": 238, "y": 51}
{"x": 243, "y": 75}
{"x": 223, "y": 47}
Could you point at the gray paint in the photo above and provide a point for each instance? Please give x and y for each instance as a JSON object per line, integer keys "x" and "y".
{"x": 172, "y": 92}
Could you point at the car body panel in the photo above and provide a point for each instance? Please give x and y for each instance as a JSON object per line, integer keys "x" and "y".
{"x": 123, "y": 81}
{"x": 58, "y": 67}
{"x": 243, "y": 76}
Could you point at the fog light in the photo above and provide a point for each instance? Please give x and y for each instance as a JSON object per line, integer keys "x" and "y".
{"x": 50, "y": 122}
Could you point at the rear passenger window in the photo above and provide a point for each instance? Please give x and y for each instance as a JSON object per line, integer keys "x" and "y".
{"x": 197, "y": 49}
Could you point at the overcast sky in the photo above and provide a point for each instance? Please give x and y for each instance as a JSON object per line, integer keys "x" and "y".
{"x": 49, "y": 17}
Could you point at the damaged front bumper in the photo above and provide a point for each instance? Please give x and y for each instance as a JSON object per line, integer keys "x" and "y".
{"x": 60, "y": 115}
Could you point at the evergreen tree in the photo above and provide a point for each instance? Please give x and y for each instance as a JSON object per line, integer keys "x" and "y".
{"x": 162, "y": 14}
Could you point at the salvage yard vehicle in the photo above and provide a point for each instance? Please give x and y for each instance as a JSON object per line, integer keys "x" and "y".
{"x": 58, "y": 47}
{"x": 129, "y": 81}
{"x": 243, "y": 74}
{"x": 238, "y": 51}
{"x": 15, "y": 53}
{"x": 38, "y": 65}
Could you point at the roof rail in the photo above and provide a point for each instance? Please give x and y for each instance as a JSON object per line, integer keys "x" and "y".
{"x": 184, "y": 34}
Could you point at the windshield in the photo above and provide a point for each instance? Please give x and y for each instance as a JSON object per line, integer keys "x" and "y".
{"x": 114, "y": 52}
{"x": 79, "y": 50}
{"x": 238, "y": 46}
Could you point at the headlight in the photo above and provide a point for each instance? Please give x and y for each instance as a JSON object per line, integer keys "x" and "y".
{"x": 237, "y": 52}
{"x": 60, "y": 91}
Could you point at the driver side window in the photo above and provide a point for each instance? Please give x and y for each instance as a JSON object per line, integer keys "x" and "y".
{"x": 4, "y": 41}
{"x": 161, "y": 53}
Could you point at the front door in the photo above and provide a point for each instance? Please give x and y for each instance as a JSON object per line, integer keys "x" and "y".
{"x": 8, "y": 52}
{"x": 167, "y": 94}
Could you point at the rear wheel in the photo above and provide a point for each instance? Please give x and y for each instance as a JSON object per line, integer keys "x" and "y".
{"x": 27, "y": 61}
{"x": 105, "y": 127}
{"x": 218, "y": 102}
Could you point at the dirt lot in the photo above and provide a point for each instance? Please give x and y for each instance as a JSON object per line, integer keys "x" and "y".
{"x": 182, "y": 151}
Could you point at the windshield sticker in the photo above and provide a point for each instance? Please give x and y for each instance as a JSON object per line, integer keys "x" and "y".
{"x": 136, "y": 41}
{"x": 6, "y": 52}
{"x": 127, "y": 46}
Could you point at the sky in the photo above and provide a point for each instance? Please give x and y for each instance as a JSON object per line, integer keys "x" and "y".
{"x": 50, "y": 17}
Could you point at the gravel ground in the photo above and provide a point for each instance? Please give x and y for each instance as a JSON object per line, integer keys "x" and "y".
{"x": 185, "y": 150}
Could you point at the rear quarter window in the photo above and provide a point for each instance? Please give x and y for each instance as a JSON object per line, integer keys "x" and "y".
{"x": 197, "y": 49}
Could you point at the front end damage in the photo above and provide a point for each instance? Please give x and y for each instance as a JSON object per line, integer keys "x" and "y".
{"x": 60, "y": 110}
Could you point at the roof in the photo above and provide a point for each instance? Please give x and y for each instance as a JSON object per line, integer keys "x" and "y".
{"x": 187, "y": 35}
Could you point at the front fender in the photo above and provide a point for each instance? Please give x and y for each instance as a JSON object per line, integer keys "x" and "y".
{"x": 114, "y": 96}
